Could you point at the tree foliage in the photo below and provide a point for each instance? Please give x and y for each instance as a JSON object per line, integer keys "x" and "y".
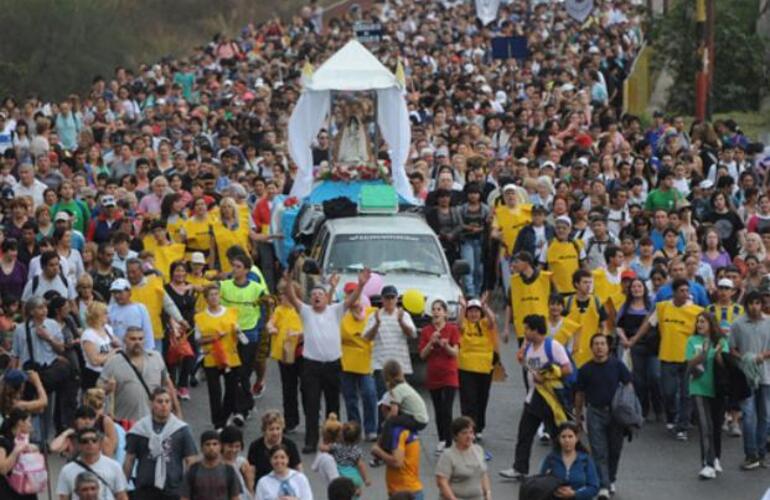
{"x": 55, "y": 47}
{"x": 739, "y": 72}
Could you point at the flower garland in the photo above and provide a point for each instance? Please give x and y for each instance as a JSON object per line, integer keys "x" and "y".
{"x": 346, "y": 173}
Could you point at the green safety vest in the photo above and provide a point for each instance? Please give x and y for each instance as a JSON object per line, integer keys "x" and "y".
{"x": 245, "y": 299}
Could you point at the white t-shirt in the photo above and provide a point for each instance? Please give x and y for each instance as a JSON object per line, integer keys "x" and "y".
{"x": 322, "y": 332}
{"x": 103, "y": 344}
{"x": 270, "y": 486}
{"x": 108, "y": 469}
{"x": 390, "y": 341}
{"x": 536, "y": 359}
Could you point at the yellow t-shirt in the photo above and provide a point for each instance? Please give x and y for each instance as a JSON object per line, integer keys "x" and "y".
{"x": 510, "y": 221}
{"x": 477, "y": 347}
{"x": 225, "y": 238}
{"x": 356, "y": 350}
{"x": 529, "y": 298}
{"x": 607, "y": 291}
{"x": 563, "y": 259}
{"x": 209, "y": 326}
{"x": 198, "y": 234}
{"x": 285, "y": 319}
{"x": 407, "y": 478}
{"x": 675, "y": 325}
{"x": 151, "y": 295}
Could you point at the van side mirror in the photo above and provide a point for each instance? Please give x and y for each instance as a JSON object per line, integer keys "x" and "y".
{"x": 310, "y": 266}
{"x": 461, "y": 268}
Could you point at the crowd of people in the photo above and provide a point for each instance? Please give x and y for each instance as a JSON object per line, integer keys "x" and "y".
{"x": 136, "y": 254}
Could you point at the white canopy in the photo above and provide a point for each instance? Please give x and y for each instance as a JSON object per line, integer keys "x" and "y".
{"x": 352, "y": 68}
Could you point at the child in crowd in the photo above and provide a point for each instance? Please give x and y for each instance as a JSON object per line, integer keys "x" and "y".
{"x": 403, "y": 406}
{"x": 324, "y": 463}
{"x": 349, "y": 456}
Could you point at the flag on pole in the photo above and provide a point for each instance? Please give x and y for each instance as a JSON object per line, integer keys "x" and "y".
{"x": 579, "y": 10}
{"x": 307, "y": 73}
{"x": 486, "y": 10}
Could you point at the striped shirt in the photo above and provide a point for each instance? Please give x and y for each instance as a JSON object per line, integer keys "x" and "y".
{"x": 390, "y": 341}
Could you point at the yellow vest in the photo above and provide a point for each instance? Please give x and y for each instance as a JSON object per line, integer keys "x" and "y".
{"x": 675, "y": 325}
{"x": 568, "y": 329}
{"x": 563, "y": 259}
{"x": 174, "y": 230}
{"x": 356, "y": 350}
{"x": 165, "y": 255}
{"x": 198, "y": 234}
{"x": 285, "y": 319}
{"x": 226, "y": 238}
{"x": 607, "y": 291}
{"x": 203, "y": 281}
{"x": 590, "y": 325}
{"x": 210, "y": 326}
{"x": 477, "y": 347}
{"x": 510, "y": 221}
{"x": 529, "y": 299}
{"x": 151, "y": 295}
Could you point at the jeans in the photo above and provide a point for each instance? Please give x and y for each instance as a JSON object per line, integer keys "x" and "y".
{"x": 443, "y": 400}
{"x": 535, "y": 412}
{"x": 505, "y": 273}
{"x": 606, "y": 440}
{"x": 290, "y": 387}
{"x": 646, "y": 373}
{"x": 319, "y": 378}
{"x": 471, "y": 252}
{"x": 675, "y": 394}
{"x": 755, "y": 410}
{"x": 711, "y": 413}
{"x": 474, "y": 396}
{"x": 352, "y": 384}
{"x": 221, "y": 408}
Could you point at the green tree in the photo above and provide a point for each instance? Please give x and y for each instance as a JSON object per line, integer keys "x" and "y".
{"x": 739, "y": 73}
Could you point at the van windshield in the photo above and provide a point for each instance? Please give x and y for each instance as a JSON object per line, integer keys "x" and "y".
{"x": 386, "y": 253}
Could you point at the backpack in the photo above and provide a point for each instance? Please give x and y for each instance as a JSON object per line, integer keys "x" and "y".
{"x": 570, "y": 379}
{"x": 625, "y": 407}
{"x": 29, "y": 475}
{"x": 36, "y": 281}
{"x": 539, "y": 487}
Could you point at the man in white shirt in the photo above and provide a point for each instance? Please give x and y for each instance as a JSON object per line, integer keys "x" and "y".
{"x": 390, "y": 328}
{"x": 322, "y": 351}
{"x": 29, "y": 186}
{"x": 109, "y": 473}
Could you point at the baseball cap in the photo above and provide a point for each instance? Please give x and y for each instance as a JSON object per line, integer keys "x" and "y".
{"x": 349, "y": 287}
{"x": 120, "y": 285}
{"x": 197, "y": 258}
{"x": 474, "y": 303}
{"x": 509, "y": 187}
{"x": 62, "y": 216}
{"x": 108, "y": 200}
{"x": 389, "y": 291}
{"x": 725, "y": 283}
{"x": 15, "y": 378}
{"x": 706, "y": 184}
{"x": 628, "y": 274}
{"x": 564, "y": 220}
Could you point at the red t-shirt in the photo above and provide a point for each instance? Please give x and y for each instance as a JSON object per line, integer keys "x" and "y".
{"x": 442, "y": 367}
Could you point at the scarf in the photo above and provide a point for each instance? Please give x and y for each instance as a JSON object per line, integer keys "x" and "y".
{"x": 143, "y": 428}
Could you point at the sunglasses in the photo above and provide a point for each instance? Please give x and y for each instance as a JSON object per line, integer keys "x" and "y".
{"x": 88, "y": 440}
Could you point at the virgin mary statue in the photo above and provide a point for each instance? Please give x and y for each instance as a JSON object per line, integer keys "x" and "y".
{"x": 353, "y": 144}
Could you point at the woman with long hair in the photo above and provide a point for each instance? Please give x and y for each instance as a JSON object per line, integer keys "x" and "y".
{"x": 13, "y": 274}
{"x": 283, "y": 482}
{"x": 62, "y": 238}
{"x": 198, "y": 232}
{"x": 714, "y": 254}
{"x": 98, "y": 342}
{"x": 172, "y": 215}
{"x": 644, "y": 354}
{"x": 229, "y": 231}
{"x": 728, "y": 223}
{"x": 14, "y": 440}
{"x": 570, "y": 462}
{"x": 706, "y": 348}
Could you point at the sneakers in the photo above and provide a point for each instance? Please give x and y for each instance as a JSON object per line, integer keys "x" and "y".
{"x": 479, "y": 437}
{"x": 258, "y": 389}
{"x": 613, "y": 490}
{"x": 440, "y": 447}
{"x": 717, "y": 466}
{"x": 371, "y": 437}
{"x": 734, "y": 430}
{"x": 543, "y": 436}
{"x": 184, "y": 393}
{"x": 308, "y": 449}
{"x": 487, "y": 456}
{"x": 512, "y": 474}
{"x": 238, "y": 420}
{"x": 681, "y": 436}
{"x": 750, "y": 463}
{"x": 375, "y": 462}
{"x": 670, "y": 427}
{"x": 707, "y": 472}
{"x": 604, "y": 494}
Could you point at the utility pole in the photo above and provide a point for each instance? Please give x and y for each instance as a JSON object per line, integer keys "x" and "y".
{"x": 704, "y": 29}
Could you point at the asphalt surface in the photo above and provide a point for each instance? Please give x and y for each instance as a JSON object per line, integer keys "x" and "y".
{"x": 653, "y": 465}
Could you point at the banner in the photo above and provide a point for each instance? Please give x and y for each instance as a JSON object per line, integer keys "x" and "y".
{"x": 486, "y": 10}
{"x": 579, "y": 10}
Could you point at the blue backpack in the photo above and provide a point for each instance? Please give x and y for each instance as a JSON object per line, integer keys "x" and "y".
{"x": 571, "y": 379}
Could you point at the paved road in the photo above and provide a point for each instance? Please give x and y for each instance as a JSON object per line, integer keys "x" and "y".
{"x": 654, "y": 465}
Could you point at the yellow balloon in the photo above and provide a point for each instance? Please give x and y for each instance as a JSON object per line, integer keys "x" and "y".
{"x": 413, "y": 301}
